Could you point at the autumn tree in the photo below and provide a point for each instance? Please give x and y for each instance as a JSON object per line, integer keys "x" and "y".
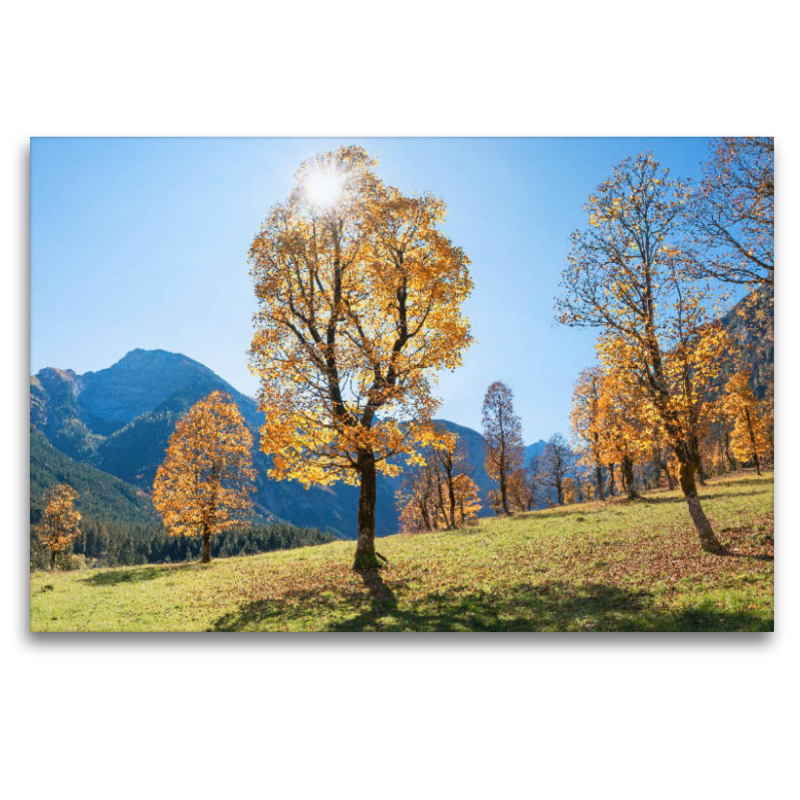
{"x": 423, "y": 499}
{"x": 628, "y": 433}
{"x": 415, "y": 499}
{"x": 625, "y": 277}
{"x": 733, "y": 213}
{"x": 557, "y": 462}
{"x": 504, "y": 450}
{"x": 518, "y": 490}
{"x": 359, "y": 306}
{"x": 60, "y": 521}
{"x": 468, "y": 504}
{"x": 749, "y": 437}
{"x": 569, "y": 493}
{"x": 587, "y": 423}
{"x": 534, "y": 481}
{"x": 204, "y": 484}
{"x": 450, "y": 461}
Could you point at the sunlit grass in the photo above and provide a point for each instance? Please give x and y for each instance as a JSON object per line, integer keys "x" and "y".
{"x": 592, "y": 567}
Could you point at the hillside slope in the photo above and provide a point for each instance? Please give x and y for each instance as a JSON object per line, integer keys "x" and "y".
{"x": 102, "y": 496}
{"x": 590, "y": 567}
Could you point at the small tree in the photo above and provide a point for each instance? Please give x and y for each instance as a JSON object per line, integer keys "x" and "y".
{"x": 570, "y": 495}
{"x": 204, "y": 484}
{"x": 502, "y": 434}
{"x": 587, "y": 423}
{"x": 450, "y": 461}
{"x": 60, "y": 520}
{"x": 749, "y": 437}
{"x": 533, "y": 482}
{"x": 519, "y": 496}
{"x": 557, "y": 461}
{"x": 423, "y": 500}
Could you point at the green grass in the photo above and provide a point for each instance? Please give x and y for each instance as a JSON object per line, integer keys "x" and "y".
{"x": 618, "y": 566}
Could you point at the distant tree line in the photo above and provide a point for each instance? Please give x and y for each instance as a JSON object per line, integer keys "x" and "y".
{"x": 112, "y": 544}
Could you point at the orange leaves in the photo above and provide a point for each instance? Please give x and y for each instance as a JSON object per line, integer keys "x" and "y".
{"x": 359, "y": 306}
{"x": 205, "y": 480}
{"x": 60, "y": 519}
{"x": 750, "y": 436}
{"x": 439, "y": 494}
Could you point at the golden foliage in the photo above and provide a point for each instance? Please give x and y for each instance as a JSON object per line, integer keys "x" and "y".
{"x": 439, "y": 494}
{"x": 630, "y": 275}
{"x": 749, "y": 439}
{"x": 359, "y": 297}
{"x": 60, "y": 520}
{"x": 204, "y": 483}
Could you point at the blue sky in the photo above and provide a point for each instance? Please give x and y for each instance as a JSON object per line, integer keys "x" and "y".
{"x": 143, "y": 243}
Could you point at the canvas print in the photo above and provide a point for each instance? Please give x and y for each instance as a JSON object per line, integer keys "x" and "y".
{"x": 402, "y": 385}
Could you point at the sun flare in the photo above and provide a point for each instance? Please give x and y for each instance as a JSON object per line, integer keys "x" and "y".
{"x": 324, "y": 188}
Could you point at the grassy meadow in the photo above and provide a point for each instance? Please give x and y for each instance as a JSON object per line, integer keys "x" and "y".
{"x": 615, "y": 566}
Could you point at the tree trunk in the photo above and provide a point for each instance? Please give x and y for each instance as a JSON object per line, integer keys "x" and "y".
{"x": 627, "y": 473}
{"x": 503, "y": 493}
{"x": 599, "y": 478}
{"x": 452, "y": 498}
{"x": 670, "y": 482}
{"x": 365, "y": 547}
{"x": 731, "y": 460}
{"x": 206, "y": 545}
{"x": 708, "y": 541}
{"x": 612, "y": 489}
{"x": 52, "y": 560}
{"x": 441, "y": 503}
{"x": 426, "y": 518}
{"x": 752, "y": 440}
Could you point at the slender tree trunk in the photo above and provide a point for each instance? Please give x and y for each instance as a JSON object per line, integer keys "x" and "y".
{"x": 503, "y": 493}
{"x": 612, "y": 488}
{"x": 452, "y": 498}
{"x": 701, "y": 473}
{"x": 365, "y": 547}
{"x": 708, "y": 541}
{"x": 670, "y": 482}
{"x": 206, "y": 545}
{"x": 752, "y": 440}
{"x": 426, "y": 517}
{"x": 599, "y": 479}
{"x": 52, "y": 560}
{"x": 627, "y": 474}
{"x": 731, "y": 460}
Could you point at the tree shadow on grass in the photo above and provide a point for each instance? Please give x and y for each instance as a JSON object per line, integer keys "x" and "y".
{"x": 113, "y": 577}
{"x": 702, "y": 494}
{"x": 553, "y": 606}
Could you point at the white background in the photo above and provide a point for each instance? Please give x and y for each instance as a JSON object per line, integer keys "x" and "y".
{"x": 623, "y": 716}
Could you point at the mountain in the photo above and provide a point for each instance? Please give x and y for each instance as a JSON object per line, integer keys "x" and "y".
{"x": 535, "y": 449}
{"x": 751, "y": 323}
{"x": 101, "y": 495}
{"x": 118, "y": 421}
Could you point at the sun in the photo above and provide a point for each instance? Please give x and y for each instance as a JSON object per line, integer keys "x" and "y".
{"x": 323, "y": 188}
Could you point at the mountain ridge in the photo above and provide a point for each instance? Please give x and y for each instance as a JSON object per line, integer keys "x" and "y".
{"x": 119, "y": 419}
